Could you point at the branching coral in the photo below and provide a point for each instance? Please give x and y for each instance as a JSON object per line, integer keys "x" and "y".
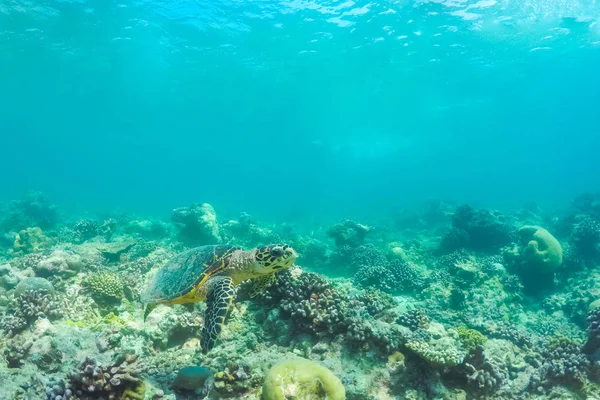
{"x": 414, "y": 319}
{"x": 34, "y": 298}
{"x": 562, "y": 363}
{"x": 94, "y": 381}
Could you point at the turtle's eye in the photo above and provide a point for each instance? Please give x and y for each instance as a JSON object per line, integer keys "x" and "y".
{"x": 277, "y": 251}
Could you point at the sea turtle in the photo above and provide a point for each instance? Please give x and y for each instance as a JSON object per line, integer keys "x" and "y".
{"x": 211, "y": 273}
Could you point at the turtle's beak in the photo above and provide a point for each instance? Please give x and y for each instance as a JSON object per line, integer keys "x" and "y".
{"x": 290, "y": 256}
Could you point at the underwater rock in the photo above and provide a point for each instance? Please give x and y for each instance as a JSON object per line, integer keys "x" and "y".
{"x": 478, "y": 230}
{"x": 33, "y": 284}
{"x": 60, "y": 263}
{"x": 113, "y": 251}
{"x": 301, "y": 379}
{"x": 247, "y": 232}
{"x": 44, "y": 354}
{"x": 169, "y": 326}
{"x": 586, "y": 237}
{"x": 348, "y": 233}
{"x": 194, "y": 378}
{"x": 147, "y": 229}
{"x": 10, "y": 276}
{"x": 197, "y": 224}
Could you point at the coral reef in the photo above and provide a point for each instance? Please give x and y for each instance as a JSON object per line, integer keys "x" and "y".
{"x": 197, "y": 224}
{"x": 348, "y": 233}
{"x": 34, "y": 209}
{"x": 387, "y": 316}
{"x": 477, "y": 229}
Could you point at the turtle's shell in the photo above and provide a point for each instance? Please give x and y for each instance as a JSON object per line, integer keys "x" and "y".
{"x": 188, "y": 269}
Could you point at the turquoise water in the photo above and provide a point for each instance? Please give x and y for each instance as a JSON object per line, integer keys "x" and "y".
{"x": 299, "y": 108}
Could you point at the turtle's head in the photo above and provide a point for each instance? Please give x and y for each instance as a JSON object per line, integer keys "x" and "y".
{"x": 274, "y": 257}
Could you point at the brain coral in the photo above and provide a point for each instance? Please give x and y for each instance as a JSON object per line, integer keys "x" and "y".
{"x": 541, "y": 251}
{"x": 300, "y": 378}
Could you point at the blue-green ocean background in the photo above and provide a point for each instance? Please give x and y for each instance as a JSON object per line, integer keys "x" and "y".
{"x": 299, "y": 109}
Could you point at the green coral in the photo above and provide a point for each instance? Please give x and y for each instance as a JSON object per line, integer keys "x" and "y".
{"x": 30, "y": 240}
{"x": 138, "y": 393}
{"x": 300, "y": 378}
{"x": 541, "y": 251}
{"x": 105, "y": 287}
{"x": 470, "y": 338}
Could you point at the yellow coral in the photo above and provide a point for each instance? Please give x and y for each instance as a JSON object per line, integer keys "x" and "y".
{"x": 301, "y": 379}
{"x": 138, "y": 393}
{"x": 29, "y": 240}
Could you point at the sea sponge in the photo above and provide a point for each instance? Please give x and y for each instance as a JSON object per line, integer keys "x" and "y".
{"x": 541, "y": 251}
{"x": 301, "y": 379}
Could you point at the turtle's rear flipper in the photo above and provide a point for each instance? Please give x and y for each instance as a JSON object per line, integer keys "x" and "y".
{"x": 148, "y": 309}
{"x": 220, "y": 295}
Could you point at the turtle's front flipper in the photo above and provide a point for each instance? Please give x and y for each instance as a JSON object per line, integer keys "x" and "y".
{"x": 259, "y": 284}
{"x": 220, "y": 295}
